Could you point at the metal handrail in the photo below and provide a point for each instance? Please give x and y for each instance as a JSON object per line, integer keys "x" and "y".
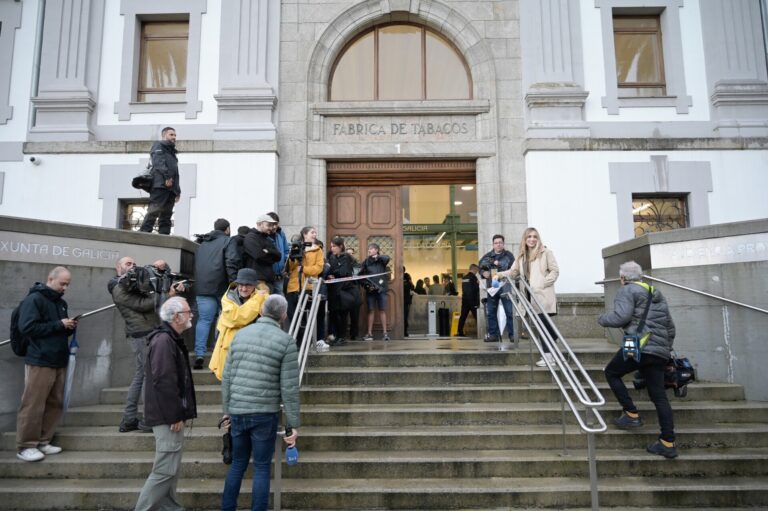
{"x": 293, "y": 331}
{"x": 692, "y": 290}
{"x": 559, "y": 366}
{"x": 78, "y": 317}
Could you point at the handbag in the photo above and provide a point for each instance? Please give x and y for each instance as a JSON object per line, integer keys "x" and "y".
{"x": 630, "y": 343}
{"x": 144, "y": 180}
{"x": 226, "y": 447}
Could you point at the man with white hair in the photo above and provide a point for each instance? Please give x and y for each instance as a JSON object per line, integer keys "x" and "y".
{"x": 635, "y": 303}
{"x": 261, "y": 372}
{"x": 169, "y": 401}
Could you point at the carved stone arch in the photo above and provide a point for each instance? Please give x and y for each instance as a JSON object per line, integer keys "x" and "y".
{"x": 431, "y": 13}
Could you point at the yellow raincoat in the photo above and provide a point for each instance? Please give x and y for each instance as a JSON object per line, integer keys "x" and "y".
{"x": 234, "y": 316}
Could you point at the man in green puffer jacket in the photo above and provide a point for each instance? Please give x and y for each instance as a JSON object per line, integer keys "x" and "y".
{"x": 261, "y": 372}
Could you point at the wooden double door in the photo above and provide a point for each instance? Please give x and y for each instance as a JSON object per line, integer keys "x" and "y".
{"x": 370, "y": 214}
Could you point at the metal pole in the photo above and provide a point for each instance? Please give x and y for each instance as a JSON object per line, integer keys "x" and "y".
{"x": 592, "y": 471}
{"x": 277, "y": 486}
{"x": 562, "y": 420}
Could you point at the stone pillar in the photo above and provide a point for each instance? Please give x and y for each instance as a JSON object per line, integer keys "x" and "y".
{"x": 247, "y": 70}
{"x": 10, "y": 20}
{"x": 550, "y": 33}
{"x": 734, "y": 52}
{"x": 69, "y": 70}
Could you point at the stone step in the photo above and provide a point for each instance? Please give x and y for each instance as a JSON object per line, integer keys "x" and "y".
{"x": 316, "y": 494}
{"x": 591, "y": 351}
{"x": 521, "y": 393}
{"x": 409, "y": 464}
{"x": 436, "y": 376}
{"x": 384, "y": 439}
{"x": 436, "y": 414}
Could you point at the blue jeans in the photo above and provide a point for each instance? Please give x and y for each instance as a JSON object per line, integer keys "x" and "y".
{"x": 250, "y": 433}
{"x": 491, "y": 310}
{"x": 207, "y": 310}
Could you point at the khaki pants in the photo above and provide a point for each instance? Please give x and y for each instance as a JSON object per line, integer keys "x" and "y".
{"x": 159, "y": 491}
{"x": 41, "y": 405}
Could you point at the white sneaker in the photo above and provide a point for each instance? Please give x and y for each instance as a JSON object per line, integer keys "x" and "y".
{"x": 30, "y": 454}
{"x": 542, "y": 363}
{"x": 49, "y": 449}
{"x": 321, "y": 346}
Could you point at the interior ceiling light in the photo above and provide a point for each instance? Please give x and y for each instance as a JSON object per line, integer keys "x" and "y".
{"x": 457, "y": 203}
{"x": 467, "y": 188}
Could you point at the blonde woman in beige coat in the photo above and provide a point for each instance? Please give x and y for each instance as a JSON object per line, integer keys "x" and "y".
{"x": 537, "y": 264}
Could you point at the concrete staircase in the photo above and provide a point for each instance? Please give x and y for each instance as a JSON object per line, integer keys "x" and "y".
{"x": 425, "y": 425}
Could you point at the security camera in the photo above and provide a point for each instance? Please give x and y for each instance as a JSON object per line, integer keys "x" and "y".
{"x": 35, "y": 160}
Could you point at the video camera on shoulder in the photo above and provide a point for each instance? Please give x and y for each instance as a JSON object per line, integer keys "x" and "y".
{"x": 298, "y": 246}
{"x": 149, "y": 279}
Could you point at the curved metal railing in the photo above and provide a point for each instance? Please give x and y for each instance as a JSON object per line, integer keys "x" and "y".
{"x": 573, "y": 383}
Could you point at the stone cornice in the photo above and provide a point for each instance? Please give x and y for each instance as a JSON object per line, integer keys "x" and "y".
{"x": 402, "y": 108}
{"x": 645, "y": 144}
{"x": 143, "y": 146}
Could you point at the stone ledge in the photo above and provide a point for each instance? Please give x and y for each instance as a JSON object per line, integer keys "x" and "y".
{"x": 184, "y": 146}
{"x": 688, "y": 234}
{"x": 644, "y": 144}
{"x": 88, "y": 232}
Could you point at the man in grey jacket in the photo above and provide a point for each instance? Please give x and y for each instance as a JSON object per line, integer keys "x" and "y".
{"x": 260, "y": 373}
{"x": 656, "y": 340}
{"x": 138, "y": 306}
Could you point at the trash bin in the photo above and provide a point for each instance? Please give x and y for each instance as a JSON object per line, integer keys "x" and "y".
{"x": 443, "y": 320}
{"x": 432, "y": 319}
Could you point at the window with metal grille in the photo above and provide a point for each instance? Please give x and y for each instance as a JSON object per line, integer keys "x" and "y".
{"x": 655, "y": 213}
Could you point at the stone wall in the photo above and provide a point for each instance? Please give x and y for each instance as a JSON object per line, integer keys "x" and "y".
{"x": 725, "y": 341}
{"x": 29, "y": 249}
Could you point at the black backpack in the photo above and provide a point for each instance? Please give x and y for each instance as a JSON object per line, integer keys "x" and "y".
{"x": 19, "y": 341}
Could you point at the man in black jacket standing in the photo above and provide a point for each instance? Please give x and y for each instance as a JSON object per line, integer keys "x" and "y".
{"x": 43, "y": 320}
{"x": 216, "y": 264}
{"x": 260, "y": 252}
{"x": 470, "y": 297}
{"x": 169, "y": 402}
{"x": 498, "y": 259}
{"x": 165, "y": 183}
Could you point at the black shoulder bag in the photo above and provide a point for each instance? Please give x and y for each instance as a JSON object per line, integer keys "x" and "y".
{"x": 630, "y": 343}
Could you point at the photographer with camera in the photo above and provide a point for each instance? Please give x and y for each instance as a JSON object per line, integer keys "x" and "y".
{"x": 642, "y": 310}
{"x": 260, "y": 252}
{"x": 498, "y": 259}
{"x": 277, "y": 235}
{"x": 376, "y": 288}
{"x": 216, "y": 265}
{"x": 305, "y": 259}
{"x": 138, "y": 292}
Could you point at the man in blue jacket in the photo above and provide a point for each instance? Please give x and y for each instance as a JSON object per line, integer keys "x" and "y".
{"x": 165, "y": 190}
{"x": 281, "y": 242}
{"x": 43, "y": 320}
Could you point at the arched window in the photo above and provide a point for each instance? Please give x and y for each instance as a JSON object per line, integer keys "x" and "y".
{"x": 400, "y": 62}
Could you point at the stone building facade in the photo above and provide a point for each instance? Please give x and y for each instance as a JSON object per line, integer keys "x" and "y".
{"x": 556, "y": 131}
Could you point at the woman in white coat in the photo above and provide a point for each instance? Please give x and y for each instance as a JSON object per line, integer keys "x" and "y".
{"x": 538, "y": 266}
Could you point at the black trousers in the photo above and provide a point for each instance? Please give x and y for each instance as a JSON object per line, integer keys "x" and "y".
{"x": 160, "y": 209}
{"x": 652, "y": 369}
{"x": 466, "y": 308}
{"x": 406, "y": 312}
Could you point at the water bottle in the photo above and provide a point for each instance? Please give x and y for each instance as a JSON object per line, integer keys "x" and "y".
{"x": 291, "y": 453}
